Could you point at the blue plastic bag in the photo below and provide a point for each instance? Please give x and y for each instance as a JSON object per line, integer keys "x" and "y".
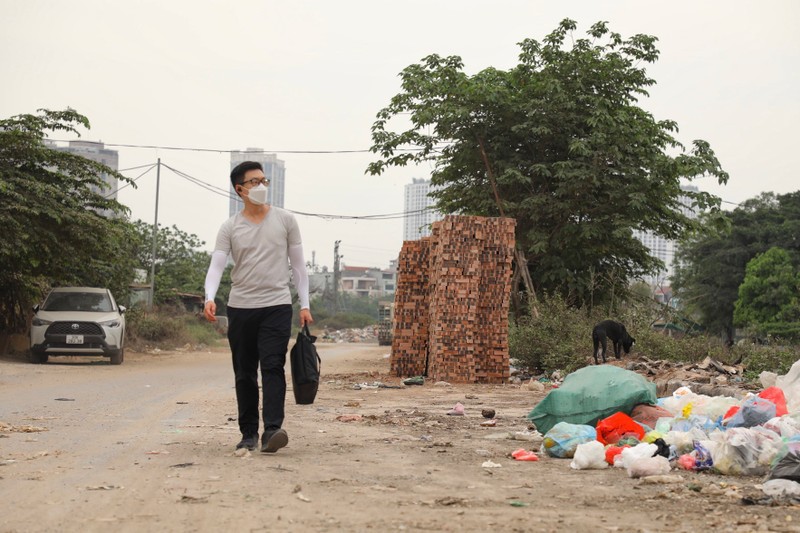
{"x": 563, "y": 439}
{"x": 755, "y": 411}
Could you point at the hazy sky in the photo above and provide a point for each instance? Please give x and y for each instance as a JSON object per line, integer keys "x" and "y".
{"x": 311, "y": 76}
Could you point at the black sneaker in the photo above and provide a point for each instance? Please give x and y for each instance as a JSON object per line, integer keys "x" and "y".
{"x": 249, "y": 441}
{"x": 273, "y": 441}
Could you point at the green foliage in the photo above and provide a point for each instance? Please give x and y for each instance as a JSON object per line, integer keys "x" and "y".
{"x": 180, "y": 264}
{"x": 347, "y": 304}
{"x": 58, "y": 228}
{"x": 560, "y": 339}
{"x": 167, "y": 327}
{"x": 713, "y": 261}
{"x": 769, "y": 297}
{"x": 345, "y": 320}
{"x": 148, "y": 326}
{"x": 760, "y": 358}
{"x": 559, "y": 144}
{"x": 688, "y": 348}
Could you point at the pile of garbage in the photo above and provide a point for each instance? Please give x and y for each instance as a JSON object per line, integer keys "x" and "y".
{"x": 606, "y": 416}
{"x": 367, "y": 334}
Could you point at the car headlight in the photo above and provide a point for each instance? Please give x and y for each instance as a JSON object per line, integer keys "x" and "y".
{"x": 40, "y": 322}
{"x": 114, "y": 323}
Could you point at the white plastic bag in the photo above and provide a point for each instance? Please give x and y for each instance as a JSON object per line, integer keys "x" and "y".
{"x": 589, "y": 456}
{"x": 745, "y": 451}
{"x": 629, "y": 455}
{"x": 790, "y": 385}
{"x": 649, "y": 466}
{"x": 781, "y": 488}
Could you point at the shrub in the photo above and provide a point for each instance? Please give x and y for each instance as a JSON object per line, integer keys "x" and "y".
{"x": 560, "y": 339}
{"x": 346, "y": 320}
{"x": 168, "y": 327}
{"x": 759, "y": 358}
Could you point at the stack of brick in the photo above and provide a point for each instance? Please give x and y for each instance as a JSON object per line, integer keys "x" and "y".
{"x": 410, "y": 334}
{"x": 465, "y": 319}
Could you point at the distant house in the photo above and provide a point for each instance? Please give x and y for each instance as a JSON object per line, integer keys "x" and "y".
{"x": 369, "y": 281}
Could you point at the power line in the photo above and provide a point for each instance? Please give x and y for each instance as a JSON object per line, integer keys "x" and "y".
{"x": 150, "y": 167}
{"x": 228, "y": 151}
{"x": 227, "y": 194}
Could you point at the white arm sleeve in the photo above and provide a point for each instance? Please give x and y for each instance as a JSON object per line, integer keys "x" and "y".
{"x": 299, "y": 274}
{"x": 214, "y": 274}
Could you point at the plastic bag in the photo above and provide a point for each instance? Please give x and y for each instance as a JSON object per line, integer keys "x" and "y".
{"x": 649, "y": 466}
{"x": 684, "y": 403}
{"x": 589, "y": 456}
{"x": 684, "y": 440}
{"x": 790, "y": 385}
{"x": 755, "y": 411}
{"x": 702, "y": 456}
{"x": 781, "y": 488}
{"x": 649, "y": 415}
{"x": 629, "y": 455}
{"x": 687, "y": 461}
{"x": 785, "y": 426}
{"x": 591, "y": 394}
{"x": 610, "y": 430}
{"x": 745, "y": 451}
{"x": 305, "y": 365}
{"x": 613, "y": 453}
{"x": 563, "y": 439}
{"x": 787, "y": 468}
{"x": 776, "y": 396}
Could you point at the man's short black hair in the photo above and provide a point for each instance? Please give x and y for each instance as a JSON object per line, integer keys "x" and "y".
{"x": 238, "y": 172}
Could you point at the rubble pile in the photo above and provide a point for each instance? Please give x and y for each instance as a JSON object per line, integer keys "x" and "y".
{"x": 451, "y": 303}
{"x": 709, "y": 377}
{"x": 367, "y": 334}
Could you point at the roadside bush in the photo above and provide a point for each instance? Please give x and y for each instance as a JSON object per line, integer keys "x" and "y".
{"x": 759, "y": 358}
{"x": 560, "y": 339}
{"x": 345, "y": 320}
{"x": 167, "y": 327}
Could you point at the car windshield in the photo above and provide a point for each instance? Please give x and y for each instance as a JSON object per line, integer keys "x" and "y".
{"x": 97, "y": 302}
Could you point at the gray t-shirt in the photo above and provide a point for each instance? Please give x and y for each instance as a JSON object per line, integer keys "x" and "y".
{"x": 260, "y": 255}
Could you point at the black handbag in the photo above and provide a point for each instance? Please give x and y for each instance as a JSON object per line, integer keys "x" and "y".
{"x": 306, "y": 365}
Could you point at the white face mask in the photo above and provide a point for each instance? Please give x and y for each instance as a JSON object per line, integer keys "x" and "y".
{"x": 258, "y": 194}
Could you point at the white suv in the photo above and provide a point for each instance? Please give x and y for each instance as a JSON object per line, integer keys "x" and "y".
{"x": 78, "y": 321}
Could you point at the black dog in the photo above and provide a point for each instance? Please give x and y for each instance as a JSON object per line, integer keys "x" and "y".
{"x": 614, "y": 331}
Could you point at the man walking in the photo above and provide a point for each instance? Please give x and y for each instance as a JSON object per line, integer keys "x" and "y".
{"x": 263, "y": 241}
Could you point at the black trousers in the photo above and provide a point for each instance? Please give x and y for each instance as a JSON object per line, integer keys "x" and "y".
{"x": 260, "y": 337}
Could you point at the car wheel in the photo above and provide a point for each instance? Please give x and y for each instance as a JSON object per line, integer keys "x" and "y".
{"x": 117, "y": 359}
{"x": 38, "y": 358}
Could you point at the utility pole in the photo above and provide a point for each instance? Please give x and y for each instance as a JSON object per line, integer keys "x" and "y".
{"x": 337, "y": 276}
{"x": 155, "y": 236}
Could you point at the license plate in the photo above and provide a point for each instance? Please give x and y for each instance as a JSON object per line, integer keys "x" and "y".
{"x": 74, "y": 339}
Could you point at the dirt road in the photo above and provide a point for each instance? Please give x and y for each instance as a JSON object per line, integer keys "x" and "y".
{"x": 148, "y": 446}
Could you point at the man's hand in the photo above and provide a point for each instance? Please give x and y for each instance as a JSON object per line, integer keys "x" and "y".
{"x": 210, "y": 311}
{"x": 305, "y": 317}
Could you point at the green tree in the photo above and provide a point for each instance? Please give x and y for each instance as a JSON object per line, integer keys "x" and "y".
{"x": 712, "y": 262}
{"x": 769, "y": 297}
{"x": 180, "y": 263}
{"x": 558, "y": 143}
{"x": 50, "y": 212}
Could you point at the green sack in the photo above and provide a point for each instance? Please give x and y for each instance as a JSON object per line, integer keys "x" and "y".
{"x": 591, "y": 394}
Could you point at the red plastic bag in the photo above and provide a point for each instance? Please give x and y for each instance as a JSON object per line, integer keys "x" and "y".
{"x": 732, "y": 411}
{"x": 610, "y": 430}
{"x": 776, "y": 396}
{"x": 612, "y": 452}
